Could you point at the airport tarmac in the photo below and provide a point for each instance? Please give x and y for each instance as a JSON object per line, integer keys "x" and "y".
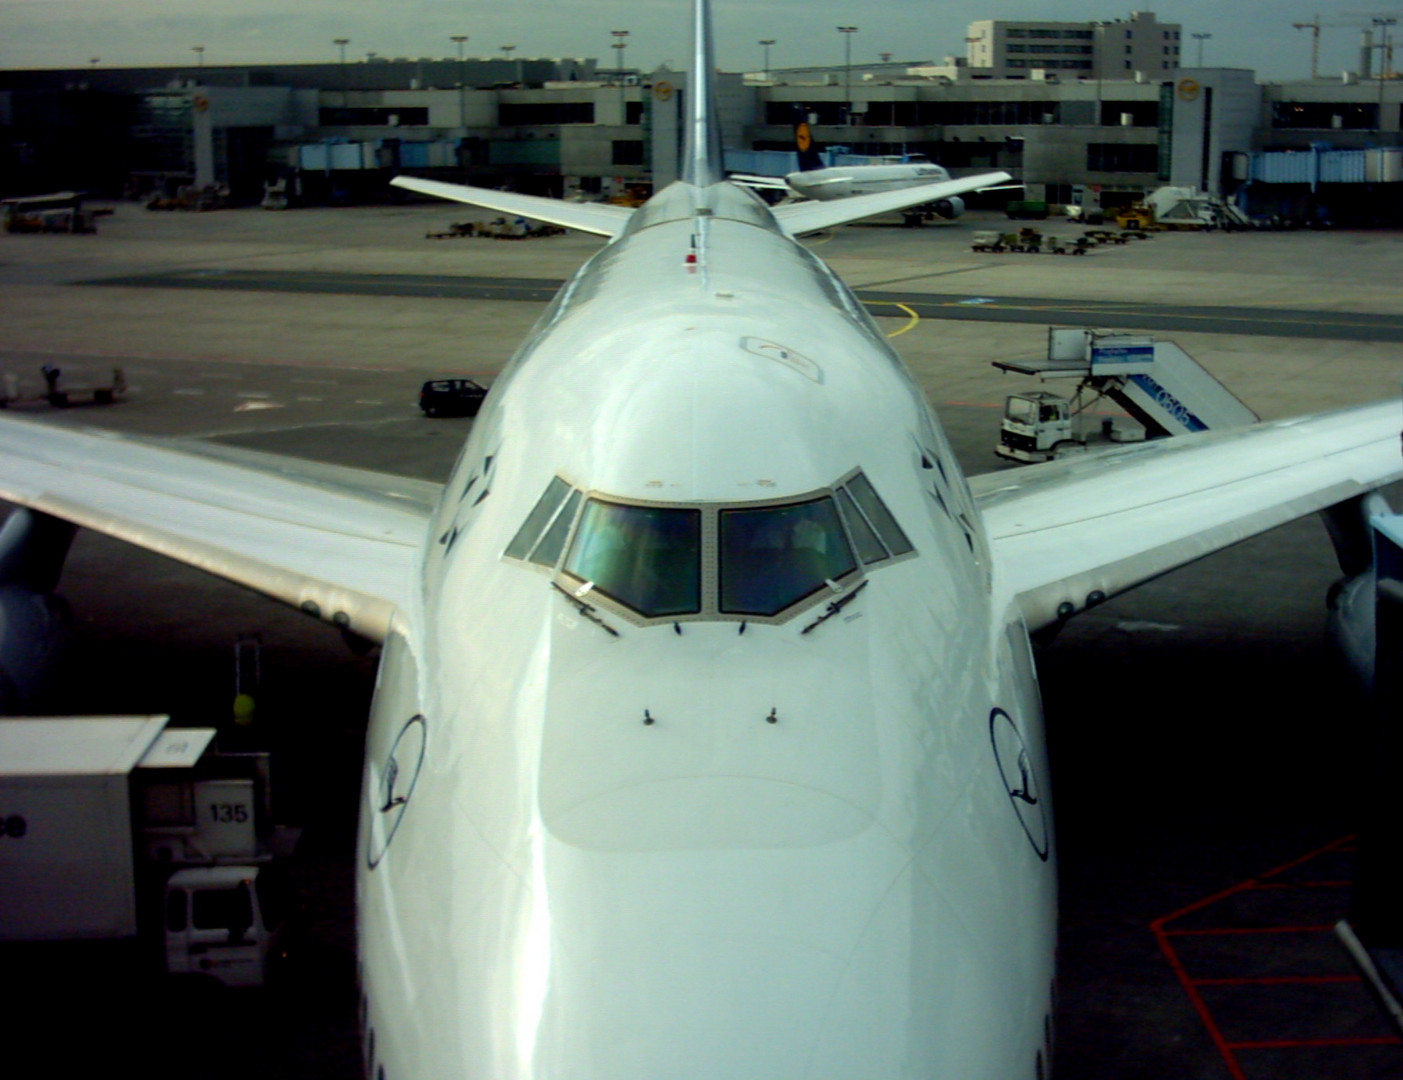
{"x": 1201, "y": 733}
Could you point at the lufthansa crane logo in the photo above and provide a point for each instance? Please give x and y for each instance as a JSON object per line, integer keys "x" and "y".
{"x": 398, "y": 775}
{"x": 662, "y": 90}
{"x": 1188, "y": 89}
{"x": 802, "y": 136}
{"x": 1020, "y": 780}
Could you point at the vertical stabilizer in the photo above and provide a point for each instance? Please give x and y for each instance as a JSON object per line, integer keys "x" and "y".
{"x": 809, "y": 158}
{"x": 702, "y": 164}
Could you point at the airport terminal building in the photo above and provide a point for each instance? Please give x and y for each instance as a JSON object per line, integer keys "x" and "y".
{"x": 1097, "y": 135}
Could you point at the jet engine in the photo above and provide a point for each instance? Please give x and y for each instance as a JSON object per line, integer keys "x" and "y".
{"x": 34, "y": 623}
{"x": 1351, "y": 599}
{"x": 950, "y": 208}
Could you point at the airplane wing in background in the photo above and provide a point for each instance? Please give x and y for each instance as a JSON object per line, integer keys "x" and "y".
{"x": 341, "y": 544}
{"x": 598, "y": 218}
{"x": 806, "y": 217}
{"x": 1101, "y": 524}
{"x": 763, "y": 183}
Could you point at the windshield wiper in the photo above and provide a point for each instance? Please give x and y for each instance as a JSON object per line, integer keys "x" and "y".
{"x": 836, "y": 606}
{"x": 586, "y": 610}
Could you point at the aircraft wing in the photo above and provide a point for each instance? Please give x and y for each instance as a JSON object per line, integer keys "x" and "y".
{"x": 341, "y": 544}
{"x": 598, "y": 218}
{"x": 765, "y": 183}
{"x": 1067, "y": 530}
{"x": 806, "y": 217}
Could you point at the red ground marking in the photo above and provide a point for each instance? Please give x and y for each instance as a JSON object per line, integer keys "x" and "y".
{"x": 1227, "y": 1049}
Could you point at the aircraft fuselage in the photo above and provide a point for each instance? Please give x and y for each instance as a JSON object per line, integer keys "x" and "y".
{"x": 840, "y": 182}
{"x": 633, "y": 828}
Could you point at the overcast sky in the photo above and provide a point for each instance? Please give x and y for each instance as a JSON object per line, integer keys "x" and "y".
{"x": 66, "y": 33}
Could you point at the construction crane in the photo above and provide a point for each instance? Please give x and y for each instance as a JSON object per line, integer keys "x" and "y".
{"x": 1382, "y": 21}
{"x": 1314, "y": 27}
{"x": 1354, "y": 20}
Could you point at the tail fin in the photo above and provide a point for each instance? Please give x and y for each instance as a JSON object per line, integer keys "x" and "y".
{"x": 702, "y": 163}
{"x": 809, "y": 158}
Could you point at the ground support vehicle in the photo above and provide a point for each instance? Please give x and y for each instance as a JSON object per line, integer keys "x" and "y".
{"x": 1162, "y": 389}
{"x": 1182, "y": 208}
{"x": 451, "y": 397}
{"x": 1027, "y": 210}
{"x": 122, "y": 832}
{"x": 60, "y": 393}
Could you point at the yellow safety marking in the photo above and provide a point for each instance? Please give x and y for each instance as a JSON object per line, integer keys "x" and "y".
{"x": 910, "y": 323}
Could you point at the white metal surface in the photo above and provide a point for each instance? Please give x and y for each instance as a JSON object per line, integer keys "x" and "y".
{"x": 598, "y": 218}
{"x": 843, "y": 181}
{"x": 729, "y": 849}
{"x": 75, "y": 745}
{"x": 1065, "y": 530}
{"x": 177, "y": 748}
{"x": 342, "y": 544}
{"x": 797, "y": 219}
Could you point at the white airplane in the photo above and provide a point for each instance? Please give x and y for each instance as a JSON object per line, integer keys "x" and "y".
{"x": 814, "y": 180}
{"x": 706, "y": 740}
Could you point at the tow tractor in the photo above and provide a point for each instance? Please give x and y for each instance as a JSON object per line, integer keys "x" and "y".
{"x": 1163, "y": 389}
{"x": 60, "y": 393}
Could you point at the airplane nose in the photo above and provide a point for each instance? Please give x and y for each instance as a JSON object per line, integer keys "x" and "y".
{"x": 834, "y": 962}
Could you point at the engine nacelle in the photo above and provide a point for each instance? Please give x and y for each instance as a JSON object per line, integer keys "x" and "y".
{"x": 34, "y": 623}
{"x": 1350, "y": 623}
{"x": 950, "y": 208}
{"x": 1351, "y": 600}
{"x": 34, "y": 627}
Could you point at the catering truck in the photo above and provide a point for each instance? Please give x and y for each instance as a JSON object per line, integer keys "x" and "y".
{"x": 125, "y": 830}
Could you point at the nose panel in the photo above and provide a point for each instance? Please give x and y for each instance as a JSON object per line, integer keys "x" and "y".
{"x": 711, "y": 740}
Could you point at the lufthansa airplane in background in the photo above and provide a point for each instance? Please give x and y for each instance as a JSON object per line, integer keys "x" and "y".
{"x": 706, "y": 741}
{"x": 815, "y": 180}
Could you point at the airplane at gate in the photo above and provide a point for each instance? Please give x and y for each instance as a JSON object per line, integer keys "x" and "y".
{"x": 706, "y": 740}
{"x": 815, "y": 180}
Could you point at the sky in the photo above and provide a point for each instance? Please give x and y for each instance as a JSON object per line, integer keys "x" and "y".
{"x": 1253, "y": 34}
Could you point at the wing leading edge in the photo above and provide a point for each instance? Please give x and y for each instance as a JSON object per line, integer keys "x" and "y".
{"x": 806, "y": 217}
{"x": 1067, "y": 534}
{"x": 598, "y": 218}
{"x": 341, "y": 544}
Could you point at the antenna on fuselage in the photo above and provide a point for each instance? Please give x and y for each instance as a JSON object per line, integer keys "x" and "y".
{"x": 702, "y": 163}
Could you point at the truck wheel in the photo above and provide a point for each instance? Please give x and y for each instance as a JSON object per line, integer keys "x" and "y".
{"x": 58, "y": 399}
{"x": 102, "y": 397}
{"x": 1067, "y": 448}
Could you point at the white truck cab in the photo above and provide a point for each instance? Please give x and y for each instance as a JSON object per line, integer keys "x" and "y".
{"x": 221, "y": 921}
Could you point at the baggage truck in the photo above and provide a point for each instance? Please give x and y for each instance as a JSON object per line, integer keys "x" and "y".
{"x": 125, "y": 830}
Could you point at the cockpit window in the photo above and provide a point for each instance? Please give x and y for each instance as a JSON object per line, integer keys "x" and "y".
{"x": 743, "y": 561}
{"x": 878, "y": 516}
{"x": 647, "y": 558}
{"x": 774, "y": 556}
{"x": 536, "y": 522}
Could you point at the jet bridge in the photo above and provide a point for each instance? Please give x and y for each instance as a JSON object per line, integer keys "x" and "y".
{"x": 1158, "y": 384}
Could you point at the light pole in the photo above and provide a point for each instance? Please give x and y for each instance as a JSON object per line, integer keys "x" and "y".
{"x": 507, "y": 51}
{"x": 620, "y": 44}
{"x": 460, "y": 40}
{"x": 1200, "y": 38}
{"x": 847, "y": 32}
{"x": 341, "y": 43}
{"x": 199, "y": 51}
{"x": 765, "y": 44}
{"x": 1385, "y": 46}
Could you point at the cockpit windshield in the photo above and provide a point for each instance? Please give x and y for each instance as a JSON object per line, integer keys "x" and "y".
{"x": 742, "y": 561}
{"x": 646, "y": 557}
{"x": 774, "y": 556}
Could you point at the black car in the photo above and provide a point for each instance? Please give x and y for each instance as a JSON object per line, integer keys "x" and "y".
{"x": 451, "y": 397}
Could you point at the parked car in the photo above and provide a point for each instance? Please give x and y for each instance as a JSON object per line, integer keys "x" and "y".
{"x": 451, "y": 397}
